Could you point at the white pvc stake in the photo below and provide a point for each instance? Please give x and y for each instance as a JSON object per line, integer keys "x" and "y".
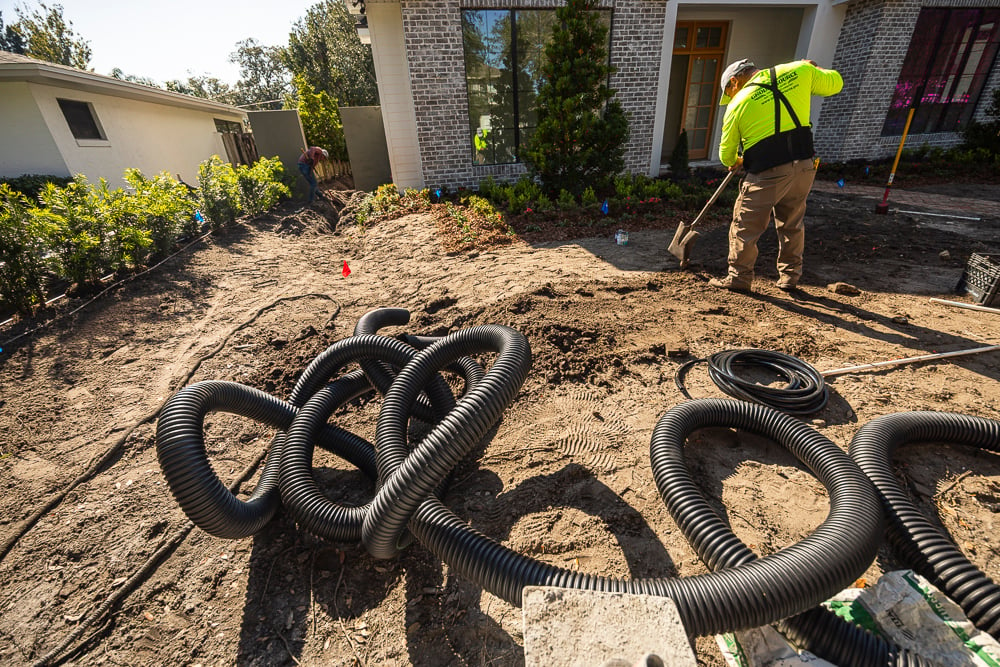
{"x": 908, "y": 360}
{"x": 970, "y": 306}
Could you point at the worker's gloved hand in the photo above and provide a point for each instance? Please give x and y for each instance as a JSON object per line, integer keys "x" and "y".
{"x": 738, "y": 165}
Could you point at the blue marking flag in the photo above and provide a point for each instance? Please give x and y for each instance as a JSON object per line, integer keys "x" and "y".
{"x": 840, "y": 183}
{"x": 604, "y": 207}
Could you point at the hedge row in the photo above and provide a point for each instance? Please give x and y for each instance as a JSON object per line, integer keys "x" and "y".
{"x": 76, "y": 232}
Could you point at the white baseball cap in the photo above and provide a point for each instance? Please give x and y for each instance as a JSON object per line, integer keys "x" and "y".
{"x": 731, "y": 71}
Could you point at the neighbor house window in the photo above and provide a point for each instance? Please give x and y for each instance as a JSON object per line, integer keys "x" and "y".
{"x": 228, "y": 126}
{"x": 81, "y": 119}
{"x": 504, "y": 52}
{"x": 951, "y": 54}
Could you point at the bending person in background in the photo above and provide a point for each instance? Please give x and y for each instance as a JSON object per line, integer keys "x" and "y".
{"x": 768, "y": 116}
{"x": 307, "y": 164}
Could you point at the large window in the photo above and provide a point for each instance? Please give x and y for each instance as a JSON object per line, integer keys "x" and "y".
{"x": 81, "y": 119}
{"x": 504, "y": 51}
{"x": 950, "y": 55}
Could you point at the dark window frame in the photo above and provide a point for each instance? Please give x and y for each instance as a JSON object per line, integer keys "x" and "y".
{"x": 502, "y": 144}
{"x": 944, "y": 73}
{"x": 82, "y": 120}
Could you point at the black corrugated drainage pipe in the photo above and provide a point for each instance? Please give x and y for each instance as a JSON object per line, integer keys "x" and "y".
{"x": 817, "y": 630}
{"x": 743, "y": 594}
{"x": 746, "y": 596}
{"x": 180, "y": 444}
{"x": 921, "y": 545}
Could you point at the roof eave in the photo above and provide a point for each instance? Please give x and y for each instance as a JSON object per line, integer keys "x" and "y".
{"x": 96, "y": 83}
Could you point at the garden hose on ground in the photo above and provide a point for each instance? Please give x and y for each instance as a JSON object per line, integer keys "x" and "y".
{"x": 921, "y": 545}
{"x": 804, "y": 393}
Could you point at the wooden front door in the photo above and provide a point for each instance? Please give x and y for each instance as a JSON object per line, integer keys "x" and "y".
{"x": 703, "y": 44}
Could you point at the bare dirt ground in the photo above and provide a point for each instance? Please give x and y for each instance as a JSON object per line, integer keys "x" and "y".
{"x": 566, "y": 478}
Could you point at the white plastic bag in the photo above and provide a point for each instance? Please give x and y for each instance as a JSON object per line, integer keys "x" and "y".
{"x": 902, "y": 607}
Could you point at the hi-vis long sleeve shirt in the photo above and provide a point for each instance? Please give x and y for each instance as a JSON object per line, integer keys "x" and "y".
{"x": 750, "y": 114}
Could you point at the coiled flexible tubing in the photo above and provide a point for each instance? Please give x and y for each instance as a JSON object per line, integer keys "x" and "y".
{"x": 182, "y": 455}
{"x": 817, "y": 630}
{"x": 300, "y": 493}
{"x": 183, "y": 458}
{"x": 382, "y": 374}
{"x": 409, "y": 477}
{"x": 921, "y": 545}
{"x": 759, "y": 592}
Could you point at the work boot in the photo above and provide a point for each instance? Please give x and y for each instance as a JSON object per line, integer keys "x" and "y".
{"x": 787, "y": 285}
{"x": 729, "y": 284}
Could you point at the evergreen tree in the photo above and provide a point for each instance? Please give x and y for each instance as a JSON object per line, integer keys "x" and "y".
{"x": 582, "y": 129}
{"x": 10, "y": 39}
{"x": 679, "y": 167}
{"x": 320, "y": 116}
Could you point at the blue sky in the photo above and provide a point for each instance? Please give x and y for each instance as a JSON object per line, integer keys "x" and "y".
{"x": 172, "y": 39}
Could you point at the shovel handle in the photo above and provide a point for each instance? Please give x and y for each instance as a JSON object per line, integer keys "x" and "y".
{"x": 715, "y": 195}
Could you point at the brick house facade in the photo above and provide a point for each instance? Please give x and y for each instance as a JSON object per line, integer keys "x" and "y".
{"x": 433, "y": 34}
{"x": 418, "y": 49}
{"x": 873, "y": 42}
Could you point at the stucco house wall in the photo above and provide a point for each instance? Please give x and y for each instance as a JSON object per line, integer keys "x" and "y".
{"x": 145, "y": 128}
{"x": 26, "y": 145}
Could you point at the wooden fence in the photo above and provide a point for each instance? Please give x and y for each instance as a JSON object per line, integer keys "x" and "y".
{"x": 327, "y": 170}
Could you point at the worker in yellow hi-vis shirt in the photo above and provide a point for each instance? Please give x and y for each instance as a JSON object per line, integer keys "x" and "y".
{"x": 766, "y": 131}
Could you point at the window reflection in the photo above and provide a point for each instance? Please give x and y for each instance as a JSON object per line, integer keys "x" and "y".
{"x": 944, "y": 71}
{"x": 503, "y": 107}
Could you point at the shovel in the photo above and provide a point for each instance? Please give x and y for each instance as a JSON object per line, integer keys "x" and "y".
{"x": 685, "y": 235}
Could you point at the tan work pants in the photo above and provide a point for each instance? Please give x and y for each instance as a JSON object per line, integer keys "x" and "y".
{"x": 782, "y": 190}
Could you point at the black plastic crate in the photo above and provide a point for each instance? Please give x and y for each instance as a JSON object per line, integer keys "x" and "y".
{"x": 981, "y": 278}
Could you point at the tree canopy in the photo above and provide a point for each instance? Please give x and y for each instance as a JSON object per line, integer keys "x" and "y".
{"x": 325, "y": 49}
{"x": 45, "y": 34}
{"x": 264, "y": 78}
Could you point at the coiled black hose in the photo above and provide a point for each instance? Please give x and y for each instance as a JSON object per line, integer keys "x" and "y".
{"x": 746, "y": 592}
{"x": 804, "y": 393}
{"x": 921, "y": 545}
{"x": 180, "y": 443}
{"x": 748, "y": 595}
{"x": 817, "y": 630}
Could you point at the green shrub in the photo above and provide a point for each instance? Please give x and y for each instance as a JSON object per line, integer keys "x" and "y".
{"x": 31, "y": 185}
{"x": 679, "y": 167}
{"x": 489, "y": 188}
{"x": 985, "y": 135}
{"x": 624, "y": 186}
{"x": 129, "y": 242}
{"x": 566, "y": 201}
{"x": 79, "y": 230}
{"x": 386, "y": 199}
{"x": 260, "y": 185}
{"x": 589, "y": 197}
{"x": 22, "y": 269}
{"x": 164, "y": 205}
{"x": 219, "y": 192}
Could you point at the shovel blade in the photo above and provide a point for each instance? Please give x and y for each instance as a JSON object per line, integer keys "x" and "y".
{"x": 680, "y": 247}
